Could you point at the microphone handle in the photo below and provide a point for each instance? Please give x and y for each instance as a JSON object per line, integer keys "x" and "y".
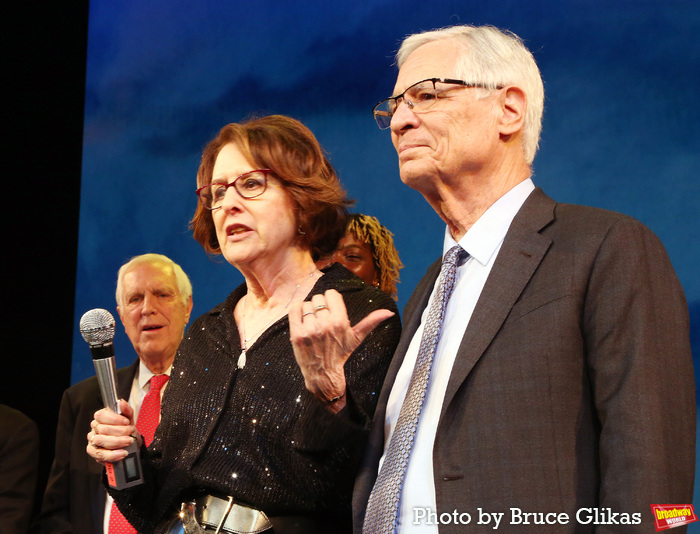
{"x": 106, "y": 370}
{"x": 127, "y": 472}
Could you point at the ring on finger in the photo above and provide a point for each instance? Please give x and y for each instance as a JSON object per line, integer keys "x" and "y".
{"x": 320, "y": 307}
{"x": 307, "y": 313}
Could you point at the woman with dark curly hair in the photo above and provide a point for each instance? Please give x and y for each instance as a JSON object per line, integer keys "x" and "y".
{"x": 259, "y": 433}
{"x": 367, "y": 249}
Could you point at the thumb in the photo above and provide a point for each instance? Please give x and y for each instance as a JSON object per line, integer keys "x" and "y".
{"x": 127, "y": 410}
{"x": 369, "y": 323}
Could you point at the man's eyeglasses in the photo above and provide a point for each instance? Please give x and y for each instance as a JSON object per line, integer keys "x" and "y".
{"x": 249, "y": 185}
{"x": 419, "y": 98}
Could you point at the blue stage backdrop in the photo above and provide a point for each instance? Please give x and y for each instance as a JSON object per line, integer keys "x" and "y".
{"x": 620, "y": 125}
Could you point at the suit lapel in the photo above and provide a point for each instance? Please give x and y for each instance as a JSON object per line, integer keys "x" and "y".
{"x": 125, "y": 379}
{"x": 521, "y": 253}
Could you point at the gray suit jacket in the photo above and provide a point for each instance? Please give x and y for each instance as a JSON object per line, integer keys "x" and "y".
{"x": 573, "y": 386}
{"x": 74, "y": 500}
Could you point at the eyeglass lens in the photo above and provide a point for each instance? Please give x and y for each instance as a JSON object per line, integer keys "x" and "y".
{"x": 418, "y": 97}
{"x": 248, "y": 185}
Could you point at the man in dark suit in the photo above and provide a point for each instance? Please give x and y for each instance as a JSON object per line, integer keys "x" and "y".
{"x": 74, "y": 500}
{"x": 19, "y": 463}
{"x": 560, "y": 396}
{"x": 154, "y": 301}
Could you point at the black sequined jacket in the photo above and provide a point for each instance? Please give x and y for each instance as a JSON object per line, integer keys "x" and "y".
{"x": 256, "y": 433}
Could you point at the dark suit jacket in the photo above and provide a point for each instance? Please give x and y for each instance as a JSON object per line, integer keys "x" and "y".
{"x": 573, "y": 386}
{"x": 19, "y": 462}
{"x": 74, "y": 500}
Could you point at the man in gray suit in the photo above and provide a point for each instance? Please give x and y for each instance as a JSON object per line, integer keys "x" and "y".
{"x": 561, "y": 394}
{"x": 154, "y": 301}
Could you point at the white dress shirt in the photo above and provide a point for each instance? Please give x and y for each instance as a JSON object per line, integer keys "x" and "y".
{"x": 483, "y": 242}
{"x": 139, "y": 387}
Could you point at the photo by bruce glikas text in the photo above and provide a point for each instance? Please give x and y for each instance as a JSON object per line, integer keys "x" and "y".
{"x": 516, "y": 516}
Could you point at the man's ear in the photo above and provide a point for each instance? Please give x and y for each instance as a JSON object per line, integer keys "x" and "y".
{"x": 190, "y": 303}
{"x": 513, "y": 104}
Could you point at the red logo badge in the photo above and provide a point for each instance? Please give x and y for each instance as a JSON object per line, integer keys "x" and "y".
{"x": 672, "y": 515}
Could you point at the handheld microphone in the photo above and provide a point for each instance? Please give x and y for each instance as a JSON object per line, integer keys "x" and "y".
{"x": 97, "y": 328}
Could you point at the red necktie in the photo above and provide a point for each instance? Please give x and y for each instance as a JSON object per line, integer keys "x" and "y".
{"x": 149, "y": 416}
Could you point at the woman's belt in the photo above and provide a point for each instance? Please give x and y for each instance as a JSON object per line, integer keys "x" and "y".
{"x": 214, "y": 514}
{"x": 209, "y": 514}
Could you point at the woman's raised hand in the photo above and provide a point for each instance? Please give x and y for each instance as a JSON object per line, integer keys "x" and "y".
{"x": 323, "y": 340}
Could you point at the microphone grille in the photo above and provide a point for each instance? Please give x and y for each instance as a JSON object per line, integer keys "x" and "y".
{"x": 97, "y": 326}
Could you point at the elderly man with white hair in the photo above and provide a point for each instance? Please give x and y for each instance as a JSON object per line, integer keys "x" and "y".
{"x": 154, "y": 302}
{"x": 543, "y": 381}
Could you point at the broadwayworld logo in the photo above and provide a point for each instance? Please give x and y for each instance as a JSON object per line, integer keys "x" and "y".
{"x": 672, "y": 515}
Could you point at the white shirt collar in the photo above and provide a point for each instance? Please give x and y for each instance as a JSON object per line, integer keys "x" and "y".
{"x": 484, "y": 238}
{"x": 145, "y": 374}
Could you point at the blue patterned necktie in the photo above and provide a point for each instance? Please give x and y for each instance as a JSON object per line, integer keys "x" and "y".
{"x": 383, "y": 505}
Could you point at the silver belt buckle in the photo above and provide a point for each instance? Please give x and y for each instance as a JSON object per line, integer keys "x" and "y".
{"x": 234, "y": 518}
{"x": 189, "y": 522}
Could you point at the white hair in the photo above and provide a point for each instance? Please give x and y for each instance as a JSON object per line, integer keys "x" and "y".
{"x": 184, "y": 285}
{"x": 494, "y": 58}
